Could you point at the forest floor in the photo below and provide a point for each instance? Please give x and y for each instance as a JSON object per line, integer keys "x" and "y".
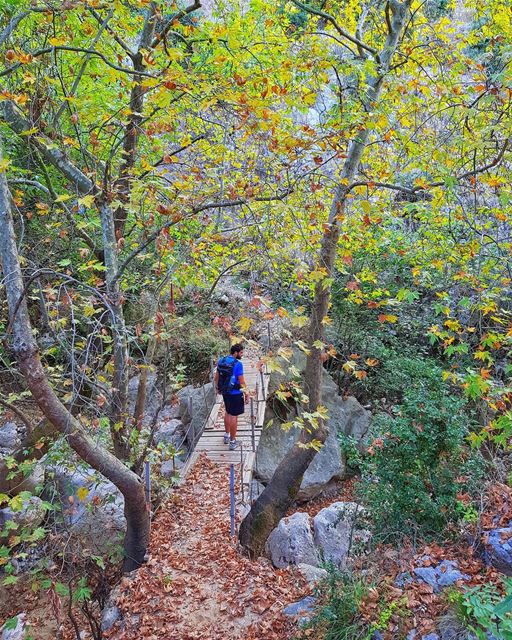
{"x": 196, "y": 583}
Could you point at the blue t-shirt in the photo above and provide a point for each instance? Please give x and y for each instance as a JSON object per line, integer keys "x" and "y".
{"x": 238, "y": 370}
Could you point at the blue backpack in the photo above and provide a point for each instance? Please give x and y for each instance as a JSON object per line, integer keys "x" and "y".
{"x": 227, "y": 382}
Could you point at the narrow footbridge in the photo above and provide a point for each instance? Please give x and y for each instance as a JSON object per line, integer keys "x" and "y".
{"x": 250, "y": 424}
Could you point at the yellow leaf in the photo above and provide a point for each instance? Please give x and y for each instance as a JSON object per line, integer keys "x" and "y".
{"x": 299, "y": 321}
{"x": 86, "y": 201}
{"x": 82, "y": 493}
{"x": 3, "y": 165}
{"x": 62, "y": 198}
{"x": 245, "y": 324}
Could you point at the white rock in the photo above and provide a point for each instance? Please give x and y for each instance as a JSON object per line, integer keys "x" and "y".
{"x": 30, "y": 515}
{"x": 291, "y": 542}
{"x": 337, "y": 530}
{"x": 18, "y": 633}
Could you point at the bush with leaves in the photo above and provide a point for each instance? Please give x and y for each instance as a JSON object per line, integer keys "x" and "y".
{"x": 418, "y": 462}
{"x": 485, "y": 611}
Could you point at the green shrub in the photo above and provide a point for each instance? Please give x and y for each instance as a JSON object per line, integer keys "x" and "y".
{"x": 484, "y": 610}
{"x": 195, "y": 346}
{"x": 417, "y": 453}
{"x": 338, "y": 617}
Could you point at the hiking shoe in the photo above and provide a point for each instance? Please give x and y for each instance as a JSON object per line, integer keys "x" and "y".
{"x": 226, "y": 438}
{"x": 233, "y": 444}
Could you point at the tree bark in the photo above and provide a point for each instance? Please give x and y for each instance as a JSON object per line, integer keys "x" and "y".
{"x": 284, "y": 485}
{"x": 27, "y": 355}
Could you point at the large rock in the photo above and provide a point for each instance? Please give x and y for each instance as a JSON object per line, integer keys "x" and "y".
{"x": 170, "y": 468}
{"x": 498, "y": 549}
{"x": 311, "y": 573}
{"x": 31, "y": 513}
{"x": 337, "y": 531}
{"x": 15, "y": 628}
{"x": 92, "y": 507}
{"x": 196, "y": 404}
{"x": 346, "y": 416}
{"x": 9, "y": 436}
{"x": 291, "y": 542}
{"x": 169, "y": 432}
{"x": 154, "y": 398}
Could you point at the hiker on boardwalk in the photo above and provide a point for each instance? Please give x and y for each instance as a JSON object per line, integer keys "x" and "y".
{"x": 229, "y": 381}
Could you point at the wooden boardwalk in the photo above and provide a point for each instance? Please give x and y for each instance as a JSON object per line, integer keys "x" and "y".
{"x": 211, "y": 441}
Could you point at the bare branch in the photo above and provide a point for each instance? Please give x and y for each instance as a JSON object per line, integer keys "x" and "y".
{"x": 19, "y": 414}
{"x": 438, "y": 183}
{"x": 326, "y": 16}
{"x": 177, "y": 16}
{"x": 12, "y": 115}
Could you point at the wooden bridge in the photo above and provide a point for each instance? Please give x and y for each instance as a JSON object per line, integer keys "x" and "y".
{"x": 250, "y": 424}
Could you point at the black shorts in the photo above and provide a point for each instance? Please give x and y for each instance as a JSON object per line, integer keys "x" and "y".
{"x": 234, "y": 404}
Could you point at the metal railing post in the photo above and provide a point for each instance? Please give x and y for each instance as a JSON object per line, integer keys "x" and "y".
{"x": 253, "y": 420}
{"x": 147, "y": 478}
{"x": 232, "y": 498}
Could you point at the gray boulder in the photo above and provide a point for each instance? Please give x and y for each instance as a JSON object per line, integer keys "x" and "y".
{"x": 30, "y": 515}
{"x": 196, "y": 404}
{"x": 498, "y": 551}
{"x": 170, "y": 469}
{"x": 9, "y": 436}
{"x": 169, "y": 432}
{"x": 311, "y": 573}
{"x": 301, "y": 607}
{"x": 337, "y": 531}
{"x": 346, "y": 416}
{"x": 291, "y": 542}
{"x": 443, "y": 575}
{"x": 154, "y": 398}
{"x": 92, "y": 507}
{"x": 19, "y": 627}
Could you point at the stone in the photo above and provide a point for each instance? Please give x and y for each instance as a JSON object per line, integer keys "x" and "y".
{"x": 202, "y": 400}
{"x": 16, "y": 633}
{"x": 346, "y": 416}
{"x": 336, "y": 530}
{"x": 300, "y": 608}
{"x": 291, "y": 542}
{"x": 498, "y": 549}
{"x": 109, "y": 616}
{"x": 31, "y": 514}
{"x": 154, "y": 398}
{"x": 169, "y": 412}
{"x": 169, "y": 432}
{"x": 95, "y": 513}
{"x": 443, "y": 575}
{"x": 32, "y": 482}
{"x": 431, "y": 636}
{"x": 9, "y": 436}
{"x": 311, "y": 573}
{"x": 171, "y": 470}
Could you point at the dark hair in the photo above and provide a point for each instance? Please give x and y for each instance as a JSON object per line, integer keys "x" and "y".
{"x": 236, "y": 348}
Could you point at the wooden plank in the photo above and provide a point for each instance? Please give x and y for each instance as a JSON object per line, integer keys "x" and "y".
{"x": 248, "y": 468}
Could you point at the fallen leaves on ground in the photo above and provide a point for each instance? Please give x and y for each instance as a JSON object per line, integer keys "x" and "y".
{"x": 196, "y": 583}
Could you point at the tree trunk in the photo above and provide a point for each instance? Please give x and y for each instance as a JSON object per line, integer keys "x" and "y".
{"x": 132, "y": 132}
{"x": 27, "y": 355}
{"x": 282, "y": 489}
{"x": 119, "y": 396}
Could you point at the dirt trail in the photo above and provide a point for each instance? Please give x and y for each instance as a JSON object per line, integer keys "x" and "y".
{"x": 196, "y": 583}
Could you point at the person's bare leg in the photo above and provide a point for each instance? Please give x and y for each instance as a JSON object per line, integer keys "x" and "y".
{"x": 227, "y": 422}
{"x": 233, "y": 427}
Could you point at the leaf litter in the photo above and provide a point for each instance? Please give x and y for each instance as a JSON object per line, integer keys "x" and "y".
{"x": 196, "y": 583}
